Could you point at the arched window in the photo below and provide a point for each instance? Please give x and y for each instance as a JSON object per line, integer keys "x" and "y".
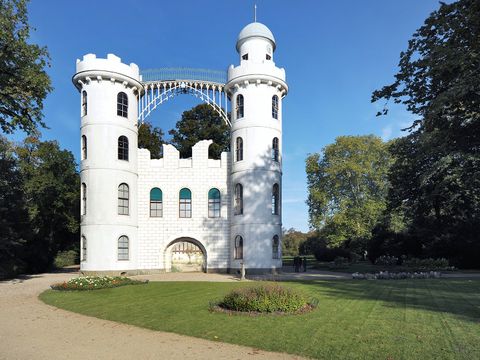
{"x": 214, "y": 203}
{"x": 275, "y": 247}
{"x": 238, "y": 247}
{"x": 275, "y": 151}
{"x": 84, "y": 248}
{"x": 239, "y": 106}
{"x": 123, "y": 248}
{"x": 156, "y": 203}
{"x": 84, "y": 199}
{"x": 122, "y": 104}
{"x": 239, "y": 149}
{"x": 123, "y": 148}
{"x": 275, "y": 198}
{"x": 238, "y": 210}
{"x": 84, "y": 103}
{"x": 185, "y": 203}
{"x": 84, "y": 147}
{"x": 275, "y": 106}
{"x": 123, "y": 199}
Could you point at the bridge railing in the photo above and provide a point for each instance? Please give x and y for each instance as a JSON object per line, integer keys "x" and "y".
{"x": 166, "y": 74}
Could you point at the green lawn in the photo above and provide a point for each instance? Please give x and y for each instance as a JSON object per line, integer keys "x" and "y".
{"x": 403, "y": 319}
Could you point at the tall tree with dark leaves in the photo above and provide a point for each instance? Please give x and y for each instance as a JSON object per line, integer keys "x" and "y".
{"x": 201, "y": 123}
{"x": 151, "y": 138}
{"x": 51, "y": 186}
{"x": 436, "y": 176}
{"x": 14, "y": 222}
{"x": 24, "y": 84}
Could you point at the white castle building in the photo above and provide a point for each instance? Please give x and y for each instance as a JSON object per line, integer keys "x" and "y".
{"x": 143, "y": 215}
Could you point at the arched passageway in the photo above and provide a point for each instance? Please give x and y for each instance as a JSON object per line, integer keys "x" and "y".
{"x": 185, "y": 255}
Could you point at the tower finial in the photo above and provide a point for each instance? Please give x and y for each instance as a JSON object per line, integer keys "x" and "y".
{"x": 255, "y": 13}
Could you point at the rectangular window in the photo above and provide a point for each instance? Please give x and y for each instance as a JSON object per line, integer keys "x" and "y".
{"x": 156, "y": 209}
{"x": 185, "y": 208}
{"x": 214, "y": 208}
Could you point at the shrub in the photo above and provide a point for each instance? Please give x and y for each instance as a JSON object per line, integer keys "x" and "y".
{"x": 264, "y": 299}
{"x": 339, "y": 262}
{"x": 95, "y": 283}
{"x": 428, "y": 264}
{"x": 329, "y": 254}
{"x": 387, "y": 260}
{"x": 66, "y": 258}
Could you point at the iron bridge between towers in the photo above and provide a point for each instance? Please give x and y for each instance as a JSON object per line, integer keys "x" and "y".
{"x": 165, "y": 83}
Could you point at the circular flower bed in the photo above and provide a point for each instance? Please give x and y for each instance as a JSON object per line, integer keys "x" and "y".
{"x": 264, "y": 299}
{"x": 95, "y": 283}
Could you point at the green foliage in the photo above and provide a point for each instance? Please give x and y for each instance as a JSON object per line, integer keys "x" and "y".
{"x": 264, "y": 299}
{"x": 291, "y": 241}
{"x": 66, "y": 258}
{"x": 330, "y": 254}
{"x": 347, "y": 187}
{"x": 356, "y": 319}
{"x": 39, "y": 195}
{"x": 14, "y": 231}
{"x": 51, "y": 187}
{"x": 428, "y": 264}
{"x": 387, "y": 260}
{"x": 201, "y": 123}
{"x": 436, "y": 174}
{"x": 151, "y": 138}
{"x": 95, "y": 283}
{"x": 23, "y": 82}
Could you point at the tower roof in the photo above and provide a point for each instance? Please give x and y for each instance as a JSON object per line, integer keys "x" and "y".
{"x": 252, "y": 30}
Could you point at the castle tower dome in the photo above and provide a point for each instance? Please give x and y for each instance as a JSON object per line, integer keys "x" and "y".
{"x": 256, "y": 88}
{"x": 109, "y": 91}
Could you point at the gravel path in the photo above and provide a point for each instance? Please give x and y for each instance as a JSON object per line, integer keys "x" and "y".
{"x": 29, "y": 329}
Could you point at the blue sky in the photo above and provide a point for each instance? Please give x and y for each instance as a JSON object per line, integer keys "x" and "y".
{"x": 335, "y": 54}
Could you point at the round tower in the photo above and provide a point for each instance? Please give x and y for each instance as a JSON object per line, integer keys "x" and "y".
{"x": 256, "y": 88}
{"x": 109, "y": 93}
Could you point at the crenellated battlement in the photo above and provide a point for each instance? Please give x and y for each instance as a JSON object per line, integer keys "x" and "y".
{"x": 171, "y": 158}
{"x": 92, "y": 68}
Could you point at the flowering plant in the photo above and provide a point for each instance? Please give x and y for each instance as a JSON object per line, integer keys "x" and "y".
{"x": 94, "y": 283}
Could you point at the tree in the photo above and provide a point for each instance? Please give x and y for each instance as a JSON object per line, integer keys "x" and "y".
{"x": 201, "y": 123}
{"x": 291, "y": 241}
{"x": 347, "y": 187}
{"x": 23, "y": 82}
{"x": 51, "y": 188}
{"x": 14, "y": 223}
{"x": 436, "y": 174}
{"x": 151, "y": 138}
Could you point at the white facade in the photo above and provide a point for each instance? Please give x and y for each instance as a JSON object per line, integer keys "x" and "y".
{"x": 120, "y": 233}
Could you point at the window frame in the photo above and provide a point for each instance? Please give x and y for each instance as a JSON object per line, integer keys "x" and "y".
{"x": 84, "y": 199}
{"x": 157, "y": 209}
{"x": 239, "y": 106}
{"x": 238, "y": 199}
{"x": 123, "y": 252}
{"x": 123, "y": 148}
{"x": 239, "y": 148}
{"x": 275, "y": 106}
{"x": 238, "y": 247}
{"x": 84, "y": 103}
{"x": 122, "y": 200}
{"x": 276, "y": 247}
{"x": 84, "y": 248}
{"x": 122, "y": 104}
{"x": 186, "y": 212}
{"x": 84, "y": 147}
{"x": 214, "y": 204}
{"x": 275, "y": 199}
{"x": 275, "y": 149}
